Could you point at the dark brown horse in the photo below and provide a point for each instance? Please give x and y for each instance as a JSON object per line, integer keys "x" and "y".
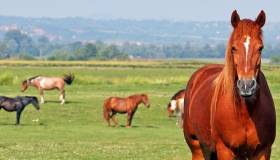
{"x": 129, "y": 105}
{"x": 48, "y": 83}
{"x": 176, "y": 105}
{"x": 229, "y": 110}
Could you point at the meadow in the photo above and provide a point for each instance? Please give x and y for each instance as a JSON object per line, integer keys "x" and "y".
{"x": 77, "y": 130}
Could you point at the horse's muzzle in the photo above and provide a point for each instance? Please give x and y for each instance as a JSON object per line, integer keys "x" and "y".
{"x": 247, "y": 87}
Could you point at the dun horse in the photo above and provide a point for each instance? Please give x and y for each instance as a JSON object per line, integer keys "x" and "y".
{"x": 18, "y": 104}
{"x": 129, "y": 105}
{"x": 229, "y": 110}
{"x": 176, "y": 105}
{"x": 48, "y": 83}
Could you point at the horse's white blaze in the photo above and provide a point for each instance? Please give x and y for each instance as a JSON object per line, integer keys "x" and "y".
{"x": 246, "y": 45}
{"x": 173, "y": 105}
{"x": 42, "y": 83}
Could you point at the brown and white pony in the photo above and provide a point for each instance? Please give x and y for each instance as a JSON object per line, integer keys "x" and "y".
{"x": 129, "y": 105}
{"x": 229, "y": 110}
{"x": 48, "y": 83}
{"x": 176, "y": 105}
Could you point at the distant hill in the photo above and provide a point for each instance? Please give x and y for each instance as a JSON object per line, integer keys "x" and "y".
{"x": 120, "y": 31}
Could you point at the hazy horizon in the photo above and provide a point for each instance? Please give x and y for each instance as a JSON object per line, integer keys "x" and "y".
{"x": 182, "y": 10}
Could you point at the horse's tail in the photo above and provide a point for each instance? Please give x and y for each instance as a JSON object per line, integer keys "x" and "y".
{"x": 68, "y": 78}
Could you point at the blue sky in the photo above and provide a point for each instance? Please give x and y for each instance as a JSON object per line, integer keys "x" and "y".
{"x": 198, "y": 10}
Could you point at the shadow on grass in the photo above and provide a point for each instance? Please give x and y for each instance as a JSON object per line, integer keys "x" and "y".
{"x": 24, "y": 124}
{"x": 66, "y": 102}
{"x": 136, "y": 126}
{"x": 13, "y": 124}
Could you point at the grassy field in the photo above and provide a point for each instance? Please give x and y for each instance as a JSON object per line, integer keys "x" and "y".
{"x": 76, "y": 130}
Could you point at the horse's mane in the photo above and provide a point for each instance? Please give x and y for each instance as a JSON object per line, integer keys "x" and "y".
{"x": 136, "y": 95}
{"x": 176, "y": 94}
{"x": 225, "y": 81}
{"x": 31, "y": 78}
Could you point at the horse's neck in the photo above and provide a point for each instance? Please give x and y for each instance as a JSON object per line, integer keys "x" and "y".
{"x": 138, "y": 101}
{"x": 25, "y": 101}
{"x": 33, "y": 83}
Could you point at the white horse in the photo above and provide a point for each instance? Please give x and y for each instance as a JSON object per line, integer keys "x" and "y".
{"x": 176, "y": 105}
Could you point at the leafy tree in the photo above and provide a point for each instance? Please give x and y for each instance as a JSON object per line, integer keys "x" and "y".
{"x": 111, "y": 52}
{"x": 19, "y": 42}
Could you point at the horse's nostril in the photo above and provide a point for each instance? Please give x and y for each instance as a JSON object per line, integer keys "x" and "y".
{"x": 246, "y": 87}
{"x": 240, "y": 84}
{"x": 251, "y": 84}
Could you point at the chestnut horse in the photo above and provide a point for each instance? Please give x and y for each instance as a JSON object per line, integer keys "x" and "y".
{"x": 129, "y": 105}
{"x": 48, "y": 83}
{"x": 229, "y": 110}
{"x": 177, "y": 104}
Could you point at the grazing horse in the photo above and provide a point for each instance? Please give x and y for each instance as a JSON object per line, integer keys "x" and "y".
{"x": 48, "y": 83}
{"x": 18, "y": 104}
{"x": 229, "y": 110}
{"x": 177, "y": 104}
{"x": 129, "y": 105}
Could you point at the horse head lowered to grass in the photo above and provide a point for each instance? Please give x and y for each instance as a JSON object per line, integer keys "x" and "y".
{"x": 176, "y": 105}
{"x": 229, "y": 110}
{"x": 18, "y": 104}
{"x": 129, "y": 105}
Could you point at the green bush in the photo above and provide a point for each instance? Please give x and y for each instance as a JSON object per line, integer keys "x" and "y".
{"x": 6, "y": 79}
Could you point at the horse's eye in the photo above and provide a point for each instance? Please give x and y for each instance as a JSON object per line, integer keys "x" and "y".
{"x": 260, "y": 49}
{"x": 233, "y": 50}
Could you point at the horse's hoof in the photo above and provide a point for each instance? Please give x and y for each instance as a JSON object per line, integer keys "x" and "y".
{"x": 127, "y": 126}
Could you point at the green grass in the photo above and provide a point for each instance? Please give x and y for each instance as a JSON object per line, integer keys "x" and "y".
{"x": 76, "y": 130}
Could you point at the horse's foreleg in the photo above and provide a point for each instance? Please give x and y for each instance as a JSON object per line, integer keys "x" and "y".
{"x": 223, "y": 152}
{"x": 129, "y": 119}
{"x": 41, "y": 92}
{"x": 62, "y": 96}
{"x": 18, "y": 117}
{"x": 179, "y": 120}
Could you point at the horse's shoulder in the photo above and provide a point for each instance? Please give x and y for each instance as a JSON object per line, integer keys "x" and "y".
{"x": 206, "y": 71}
{"x": 205, "y": 75}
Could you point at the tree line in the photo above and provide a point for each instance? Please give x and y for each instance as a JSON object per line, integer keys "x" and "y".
{"x": 18, "y": 45}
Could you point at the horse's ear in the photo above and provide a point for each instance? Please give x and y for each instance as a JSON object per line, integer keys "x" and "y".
{"x": 260, "y": 19}
{"x": 234, "y": 18}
